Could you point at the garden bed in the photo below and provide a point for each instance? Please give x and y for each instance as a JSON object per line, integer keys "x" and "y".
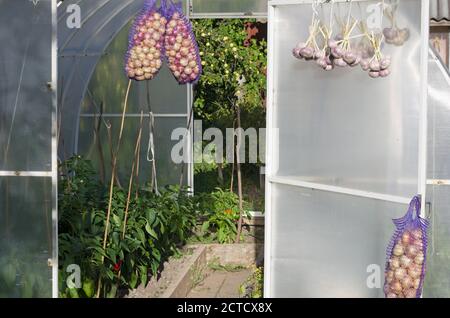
{"x": 196, "y": 262}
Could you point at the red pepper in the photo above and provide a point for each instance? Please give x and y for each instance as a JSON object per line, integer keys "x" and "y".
{"x": 117, "y": 266}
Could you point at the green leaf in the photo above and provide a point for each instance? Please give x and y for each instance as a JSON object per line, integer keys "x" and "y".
{"x": 88, "y": 288}
{"x": 73, "y": 293}
{"x": 144, "y": 274}
{"x": 150, "y": 231}
{"x": 133, "y": 280}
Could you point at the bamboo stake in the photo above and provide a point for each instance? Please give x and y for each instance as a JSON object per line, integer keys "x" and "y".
{"x": 133, "y": 167}
{"x": 239, "y": 174}
{"x": 111, "y": 189}
{"x": 130, "y": 184}
{"x": 234, "y": 162}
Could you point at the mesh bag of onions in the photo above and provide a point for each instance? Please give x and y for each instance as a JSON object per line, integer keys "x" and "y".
{"x": 146, "y": 43}
{"x": 406, "y": 255}
{"x": 181, "y": 47}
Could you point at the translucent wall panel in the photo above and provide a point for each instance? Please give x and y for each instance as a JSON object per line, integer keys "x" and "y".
{"x": 343, "y": 128}
{"x": 25, "y": 237}
{"x": 439, "y": 120}
{"x": 325, "y": 242}
{"x": 27, "y": 159}
{"x": 25, "y": 101}
{"x": 437, "y": 282}
{"x": 229, "y": 7}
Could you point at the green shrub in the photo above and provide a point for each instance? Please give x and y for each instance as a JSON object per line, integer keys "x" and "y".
{"x": 156, "y": 226}
{"x": 220, "y": 210}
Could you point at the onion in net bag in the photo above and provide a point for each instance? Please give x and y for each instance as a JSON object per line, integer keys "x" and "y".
{"x": 406, "y": 255}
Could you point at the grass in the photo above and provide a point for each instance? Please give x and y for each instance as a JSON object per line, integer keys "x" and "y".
{"x": 216, "y": 266}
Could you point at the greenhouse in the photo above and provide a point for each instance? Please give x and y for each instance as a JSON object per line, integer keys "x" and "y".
{"x": 224, "y": 149}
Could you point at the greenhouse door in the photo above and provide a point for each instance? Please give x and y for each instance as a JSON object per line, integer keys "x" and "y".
{"x": 346, "y": 153}
{"x": 28, "y": 170}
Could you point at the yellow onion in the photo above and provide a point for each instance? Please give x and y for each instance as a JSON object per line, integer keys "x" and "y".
{"x": 394, "y": 263}
{"x": 417, "y": 234}
{"x": 406, "y": 237}
{"x": 398, "y": 250}
{"x": 418, "y": 244}
{"x": 419, "y": 258}
{"x": 412, "y": 251}
{"x": 416, "y": 283}
{"x": 391, "y": 295}
{"x": 407, "y": 282}
{"x": 415, "y": 271}
{"x": 400, "y": 273}
{"x": 396, "y": 287}
{"x": 405, "y": 261}
{"x": 410, "y": 293}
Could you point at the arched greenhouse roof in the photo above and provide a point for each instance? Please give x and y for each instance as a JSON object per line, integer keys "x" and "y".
{"x": 80, "y": 49}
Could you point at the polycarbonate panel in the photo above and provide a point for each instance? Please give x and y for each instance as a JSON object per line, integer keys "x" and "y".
{"x": 25, "y": 237}
{"x": 25, "y": 100}
{"x": 437, "y": 281}
{"x": 438, "y": 120}
{"x": 343, "y": 128}
{"x": 167, "y": 171}
{"x": 227, "y": 7}
{"x": 325, "y": 242}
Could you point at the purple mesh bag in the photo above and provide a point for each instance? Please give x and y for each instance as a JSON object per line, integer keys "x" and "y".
{"x": 406, "y": 255}
{"x": 144, "y": 56}
{"x": 181, "y": 48}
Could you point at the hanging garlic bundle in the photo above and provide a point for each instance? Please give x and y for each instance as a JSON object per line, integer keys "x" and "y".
{"x": 341, "y": 49}
{"x": 309, "y": 49}
{"x": 144, "y": 55}
{"x": 181, "y": 46}
{"x": 378, "y": 65}
{"x": 394, "y": 35}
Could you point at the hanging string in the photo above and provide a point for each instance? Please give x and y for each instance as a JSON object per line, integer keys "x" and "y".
{"x": 151, "y": 152}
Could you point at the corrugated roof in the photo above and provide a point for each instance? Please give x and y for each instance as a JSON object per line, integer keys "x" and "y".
{"x": 440, "y": 10}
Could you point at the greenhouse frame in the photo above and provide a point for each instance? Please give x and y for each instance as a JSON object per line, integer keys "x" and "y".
{"x": 345, "y": 153}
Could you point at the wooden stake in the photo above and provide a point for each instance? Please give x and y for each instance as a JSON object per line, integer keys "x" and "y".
{"x": 111, "y": 188}
{"x": 239, "y": 174}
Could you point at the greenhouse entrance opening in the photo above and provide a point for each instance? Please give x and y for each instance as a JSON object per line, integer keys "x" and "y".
{"x": 92, "y": 203}
{"x": 92, "y": 87}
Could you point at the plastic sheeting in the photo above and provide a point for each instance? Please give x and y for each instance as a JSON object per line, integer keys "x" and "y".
{"x": 27, "y": 113}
